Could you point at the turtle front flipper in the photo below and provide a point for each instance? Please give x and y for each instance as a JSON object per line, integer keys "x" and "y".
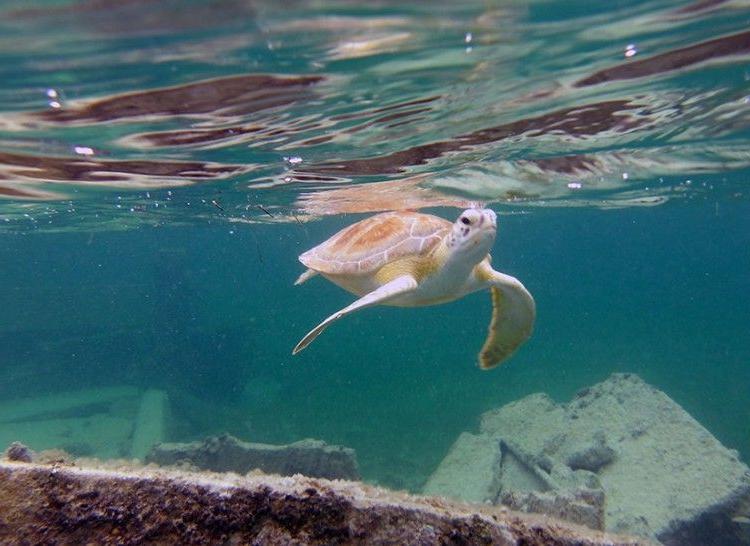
{"x": 396, "y": 287}
{"x": 513, "y": 315}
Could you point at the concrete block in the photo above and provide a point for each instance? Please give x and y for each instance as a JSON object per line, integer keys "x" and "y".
{"x": 228, "y": 454}
{"x": 470, "y": 471}
{"x": 150, "y": 423}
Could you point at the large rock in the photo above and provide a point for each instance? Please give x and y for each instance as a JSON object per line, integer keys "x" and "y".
{"x": 228, "y": 454}
{"x": 662, "y": 474}
{"x": 68, "y": 505}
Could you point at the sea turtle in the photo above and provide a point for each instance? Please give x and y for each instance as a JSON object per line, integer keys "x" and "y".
{"x": 410, "y": 259}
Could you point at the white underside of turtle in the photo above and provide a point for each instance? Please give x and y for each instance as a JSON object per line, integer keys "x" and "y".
{"x": 410, "y": 259}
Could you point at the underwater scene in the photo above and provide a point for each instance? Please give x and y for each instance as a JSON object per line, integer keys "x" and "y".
{"x": 163, "y": 165}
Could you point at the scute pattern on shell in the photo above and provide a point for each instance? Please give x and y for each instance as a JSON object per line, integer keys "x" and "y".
{"x": 366, "y": 246}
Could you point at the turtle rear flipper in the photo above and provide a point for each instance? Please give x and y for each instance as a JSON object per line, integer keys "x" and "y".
{"x": 306, "y": 275}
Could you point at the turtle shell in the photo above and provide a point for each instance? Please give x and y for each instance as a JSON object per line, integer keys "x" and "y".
{"x": 368, "y": 245}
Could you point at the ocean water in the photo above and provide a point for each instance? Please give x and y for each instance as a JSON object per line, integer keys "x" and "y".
{"x": 163, "y": 164}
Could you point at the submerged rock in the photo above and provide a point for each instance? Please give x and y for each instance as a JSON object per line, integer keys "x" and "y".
{"x": 19, "y": 452}
{"x": 228, "y": 454}
{"x": 64, "y": 505}
{"x": 661, "y": 473}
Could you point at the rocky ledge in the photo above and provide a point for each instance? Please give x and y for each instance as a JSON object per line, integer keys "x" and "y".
{"x": 62, "y": 504}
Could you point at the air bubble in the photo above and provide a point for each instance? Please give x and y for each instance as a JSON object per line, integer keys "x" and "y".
{"x": 83, "y": 150}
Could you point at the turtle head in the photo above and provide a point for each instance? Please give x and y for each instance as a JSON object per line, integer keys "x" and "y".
{"x": 473, "y": 234}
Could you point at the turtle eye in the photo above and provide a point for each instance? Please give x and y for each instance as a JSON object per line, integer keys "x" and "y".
{"x": 465, "y": 220}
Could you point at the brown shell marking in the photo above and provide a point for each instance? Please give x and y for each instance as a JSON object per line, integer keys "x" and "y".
{"x": 366, "y": 246}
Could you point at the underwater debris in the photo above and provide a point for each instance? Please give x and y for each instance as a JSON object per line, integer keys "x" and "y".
{"x": 226, "y": 453}
{"x": 150, "y": 423}
{"x": 110, "y": 422}
{"x": 620, "y": 447}
{"x": 67, "y": 505}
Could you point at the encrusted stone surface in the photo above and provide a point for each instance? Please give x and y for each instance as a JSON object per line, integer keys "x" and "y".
{"x": 592, "y": 455}
{"x": 531, "y": 422}
{"x": 582, "y": 506}
{"x": 67, "y": 505}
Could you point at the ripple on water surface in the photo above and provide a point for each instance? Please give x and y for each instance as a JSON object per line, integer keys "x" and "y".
{"x": 250, "y": 111}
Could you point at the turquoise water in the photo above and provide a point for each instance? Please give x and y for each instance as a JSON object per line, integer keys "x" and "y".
{"x": 161, "y": 170}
